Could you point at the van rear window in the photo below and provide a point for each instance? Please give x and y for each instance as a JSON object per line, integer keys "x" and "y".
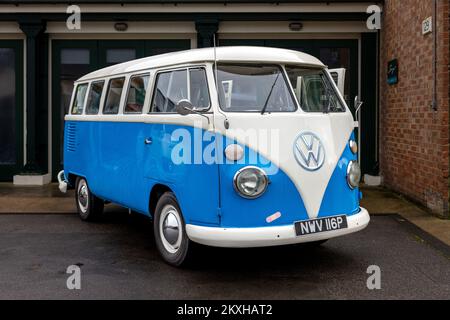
{"x": 112, "y": 102}
{"x": 78, "y": 102}
{"x": 95, "y": 94}
{"x": 136, "y": 94}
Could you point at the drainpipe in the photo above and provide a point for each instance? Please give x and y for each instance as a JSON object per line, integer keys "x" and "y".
{"x": 434, "y": 104}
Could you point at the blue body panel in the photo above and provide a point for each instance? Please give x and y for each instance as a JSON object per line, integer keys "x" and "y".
{"x": 339, "y": 198}
{"x": 121, "y": 168}
{"x": 281, "y": 196}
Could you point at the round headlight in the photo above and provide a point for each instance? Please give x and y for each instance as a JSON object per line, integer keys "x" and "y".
{"x": 250, "y": 182}
{"x": 353, "y": 174}
{"x": 353, "y": 146}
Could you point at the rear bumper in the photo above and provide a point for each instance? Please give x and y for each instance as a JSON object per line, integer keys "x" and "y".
{"x": 268, "y": 236}
{"x": 62, "y": 183}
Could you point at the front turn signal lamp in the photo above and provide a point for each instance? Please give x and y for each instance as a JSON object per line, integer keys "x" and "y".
{"x": 353, "y": 146}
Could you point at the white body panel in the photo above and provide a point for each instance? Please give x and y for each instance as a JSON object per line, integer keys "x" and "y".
{"x": 242, "y": 54}
{"x": 268, "y": 236}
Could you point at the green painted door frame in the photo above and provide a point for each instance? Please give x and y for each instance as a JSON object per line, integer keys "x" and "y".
{"x": 57, "y": 129}
{"x": 104, "y": 45}
{"x": 8, "y": 171}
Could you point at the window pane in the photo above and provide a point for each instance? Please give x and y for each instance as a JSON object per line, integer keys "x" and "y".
{"x": 136, "y": 94}
{"x": 114, "y": 94}
{"x": 199, "y": 95}
{"x": 314, "y": 90}
{"x": 250, "y": 88}
{"x": 178, "y": 87}
{"x": 114, "y": 56}
{"x": 7, "y": 106}
{"x": 95, "y": 94}
{"x": 171, "y": 87}
{"x": 160, "y": 99}
{"x": 77, "y": 107}
{"x": 75, "y": 56}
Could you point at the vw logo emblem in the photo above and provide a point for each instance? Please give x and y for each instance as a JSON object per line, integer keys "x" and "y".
{"x": 309, "y": 151}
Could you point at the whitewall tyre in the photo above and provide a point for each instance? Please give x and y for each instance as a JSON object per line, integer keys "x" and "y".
{"x": 169, "y": 229}
{"x": 89, "y": 207}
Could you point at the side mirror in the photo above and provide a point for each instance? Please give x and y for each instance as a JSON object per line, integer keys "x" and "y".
{"x": 184, "y": 107}
{"x": 357, "y": 104}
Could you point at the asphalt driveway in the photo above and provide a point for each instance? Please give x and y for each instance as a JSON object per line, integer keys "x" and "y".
{"x": 118, "y": 260}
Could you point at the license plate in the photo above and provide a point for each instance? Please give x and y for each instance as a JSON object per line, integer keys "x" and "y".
{"x": 303, "y": 228}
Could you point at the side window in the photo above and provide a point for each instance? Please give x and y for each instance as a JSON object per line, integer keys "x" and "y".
{"x": 136, "y": 94}
{"x": 80, "y": 94}
{"x": 170, "y": 88}
{"x": 95, "y": 94}
{"x": 112, "y": 101}
{"x": 198, "y": 95}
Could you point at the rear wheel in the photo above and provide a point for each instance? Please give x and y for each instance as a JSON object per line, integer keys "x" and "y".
{"x": 89, "y": 207}
{"x": 171, "y": 239}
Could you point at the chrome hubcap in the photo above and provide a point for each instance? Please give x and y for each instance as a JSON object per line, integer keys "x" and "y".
{"x": 170, "y": 228}
{"x": 83, "y": 196}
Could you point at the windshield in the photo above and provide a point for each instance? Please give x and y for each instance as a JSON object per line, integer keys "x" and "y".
{"x": 313, "y": 90}
{"x": 253, "y": 88}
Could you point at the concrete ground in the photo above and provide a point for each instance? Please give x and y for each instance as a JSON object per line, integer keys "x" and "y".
{"x": 382, "y": 201}
{"x": 48, "y": 199}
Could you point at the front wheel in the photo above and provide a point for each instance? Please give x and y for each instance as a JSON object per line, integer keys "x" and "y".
{"x": 171, "y": 239}
{"x": 89, "y": 207}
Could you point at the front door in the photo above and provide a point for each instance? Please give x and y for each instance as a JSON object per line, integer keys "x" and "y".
{"x": 11, "y": 108}
{"x": 180, "y": 151}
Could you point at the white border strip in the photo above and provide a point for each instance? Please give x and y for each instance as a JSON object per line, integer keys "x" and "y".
{"x": 192, "y": 8}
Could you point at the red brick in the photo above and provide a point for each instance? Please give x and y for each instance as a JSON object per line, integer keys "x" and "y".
{"x": 414, "y": 139}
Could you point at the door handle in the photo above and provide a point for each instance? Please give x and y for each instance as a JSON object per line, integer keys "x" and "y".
{"x": 148, "y": 141}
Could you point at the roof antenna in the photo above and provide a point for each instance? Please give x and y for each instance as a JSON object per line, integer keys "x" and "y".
{"x": 226, "y": 123}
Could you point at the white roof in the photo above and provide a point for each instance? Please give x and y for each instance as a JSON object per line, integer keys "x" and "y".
{"x": 224, "y": 54}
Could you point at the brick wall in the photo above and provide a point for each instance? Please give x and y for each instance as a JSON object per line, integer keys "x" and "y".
{"x": 414, "y": 139}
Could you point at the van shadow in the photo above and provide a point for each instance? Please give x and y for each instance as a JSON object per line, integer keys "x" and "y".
{"x": 138, "y": 229}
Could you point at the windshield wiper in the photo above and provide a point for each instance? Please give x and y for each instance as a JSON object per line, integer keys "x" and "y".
{"x": 270, "y": 94}
{"x": 329, "y": 93}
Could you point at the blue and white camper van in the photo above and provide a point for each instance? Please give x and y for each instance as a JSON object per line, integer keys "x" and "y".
{"x": 225, "y": 147}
